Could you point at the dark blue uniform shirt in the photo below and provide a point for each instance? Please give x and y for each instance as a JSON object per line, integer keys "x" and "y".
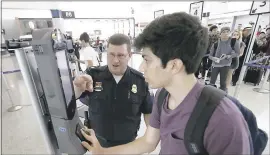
{"x": 115, "y": 109}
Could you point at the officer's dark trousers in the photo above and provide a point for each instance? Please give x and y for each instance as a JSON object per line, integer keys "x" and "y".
{"x": 107, "y": 143}
{"x": 223, "y": 71}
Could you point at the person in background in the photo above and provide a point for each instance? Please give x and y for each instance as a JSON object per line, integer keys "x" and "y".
{"x": 97, "y": 41}
{"x": 261, "y": 39}
{"x": 222, "y": 66}
{"x": 117, "y": 95}
{"x": 259, "y": 30}
{"x": 214, "y": 36}
{"x": 235, "y": 63}
{"x": 259, "y": 44}
{"x": 263, "y": 42}
{"x": 88, "y": 56}
{"x": 172, "y": 48}
{"x": 206, "y": 62}
{"x": 246, "y": 34}
{"x": 77, "y": 48}
{"x": 266, "y": 48}
{"x": 129, "y": 36}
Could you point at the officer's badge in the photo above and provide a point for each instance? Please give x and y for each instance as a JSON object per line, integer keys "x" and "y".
{"x": 98, "y": 86}
{"x": 134, "y": 89}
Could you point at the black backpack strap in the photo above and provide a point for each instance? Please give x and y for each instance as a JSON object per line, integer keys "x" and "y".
{"x": 215, "y": 48}
{"x": 161, "y": 97}
{"x": 233, "y": 40}
{"x": 198, "y": 121}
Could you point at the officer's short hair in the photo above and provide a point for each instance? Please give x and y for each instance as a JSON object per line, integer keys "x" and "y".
{"x": 178, "y": 35}
{"x": 120, "y": 39}
{"x": 84, "y": 37}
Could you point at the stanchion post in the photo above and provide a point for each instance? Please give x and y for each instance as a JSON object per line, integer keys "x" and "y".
{"x": 261, "y": 89}
{"x": 13, "y": 106}
{"x": 249, "y": 52}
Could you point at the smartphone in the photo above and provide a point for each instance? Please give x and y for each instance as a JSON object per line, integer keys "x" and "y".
{"x": 79, "y": 133}
{"x": 222, "y": 56}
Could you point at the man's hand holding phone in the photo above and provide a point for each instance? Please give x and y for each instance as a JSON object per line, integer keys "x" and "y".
{"x": 223, "y": 56}
{"x": 228, "y": 56}
{"x": 215, "y": 59}
{"x": 94, "y": 146}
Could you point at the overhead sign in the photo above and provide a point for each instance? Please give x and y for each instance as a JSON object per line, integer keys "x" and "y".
{"x": 206, "y": 14}
{"x": 158, "y": 13}
{"x": 196, "y": 9}
{"x": 55, "y": 13}
{"x": 68, "y": 14}
{"x": 260, "y": 7}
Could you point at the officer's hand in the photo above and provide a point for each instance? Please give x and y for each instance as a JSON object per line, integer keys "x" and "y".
{"x": 84, "y": 82}
{"x": 94, "y": 147}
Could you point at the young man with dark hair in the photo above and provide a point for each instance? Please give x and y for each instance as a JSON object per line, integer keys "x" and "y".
{"x": 221, "y": 54}
{"x": 213, "y": 28}
{"x": 213, "y": 38}
{"x": 88, "y": 56}
{"x": 172, "y": 47}
{"x": 117, "y": 95}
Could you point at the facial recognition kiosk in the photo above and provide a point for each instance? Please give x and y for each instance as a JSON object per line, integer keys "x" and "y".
{"x": 46, "y": 71}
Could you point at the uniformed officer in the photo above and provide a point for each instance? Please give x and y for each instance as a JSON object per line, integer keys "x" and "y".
{"x": 117, "y": 95}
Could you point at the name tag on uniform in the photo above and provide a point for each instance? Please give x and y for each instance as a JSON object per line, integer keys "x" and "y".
{"x": 98, "y": 86}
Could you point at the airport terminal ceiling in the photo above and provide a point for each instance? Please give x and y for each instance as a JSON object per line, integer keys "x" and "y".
{"x": 107, "y": 26}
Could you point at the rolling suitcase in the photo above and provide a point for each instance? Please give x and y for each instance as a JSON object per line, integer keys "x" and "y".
{"x": 253, "y": 75}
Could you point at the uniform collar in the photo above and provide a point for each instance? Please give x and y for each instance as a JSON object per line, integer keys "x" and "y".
{"x": 108, "y": 75}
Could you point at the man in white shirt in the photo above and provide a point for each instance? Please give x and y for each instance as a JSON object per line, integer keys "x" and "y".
{"x": 88, "y": 56}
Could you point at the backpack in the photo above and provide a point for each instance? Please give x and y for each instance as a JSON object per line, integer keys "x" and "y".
{"x": 202, "y": 112}
{"x": 234, "y": 60}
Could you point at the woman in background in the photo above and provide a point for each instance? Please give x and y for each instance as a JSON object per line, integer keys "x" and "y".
{"x": 236, "y": 34}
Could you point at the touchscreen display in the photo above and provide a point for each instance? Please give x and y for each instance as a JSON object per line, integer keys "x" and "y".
{"x": 65, "y": 75}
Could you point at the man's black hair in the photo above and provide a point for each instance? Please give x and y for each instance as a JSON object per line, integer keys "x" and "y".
{"x": 120, "y": 39}
{"x": 177, "y": 35}
{"x": 267, "y": 29}
{"x": 84, "y": 37}
{"x": 212, "y": 28}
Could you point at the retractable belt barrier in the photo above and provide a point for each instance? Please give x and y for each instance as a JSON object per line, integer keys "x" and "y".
{"x": 12, "y": 71}
{"x": 253, "y": 63}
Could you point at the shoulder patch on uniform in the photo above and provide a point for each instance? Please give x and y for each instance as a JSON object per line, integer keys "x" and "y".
{"x": 137, "y": 73}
